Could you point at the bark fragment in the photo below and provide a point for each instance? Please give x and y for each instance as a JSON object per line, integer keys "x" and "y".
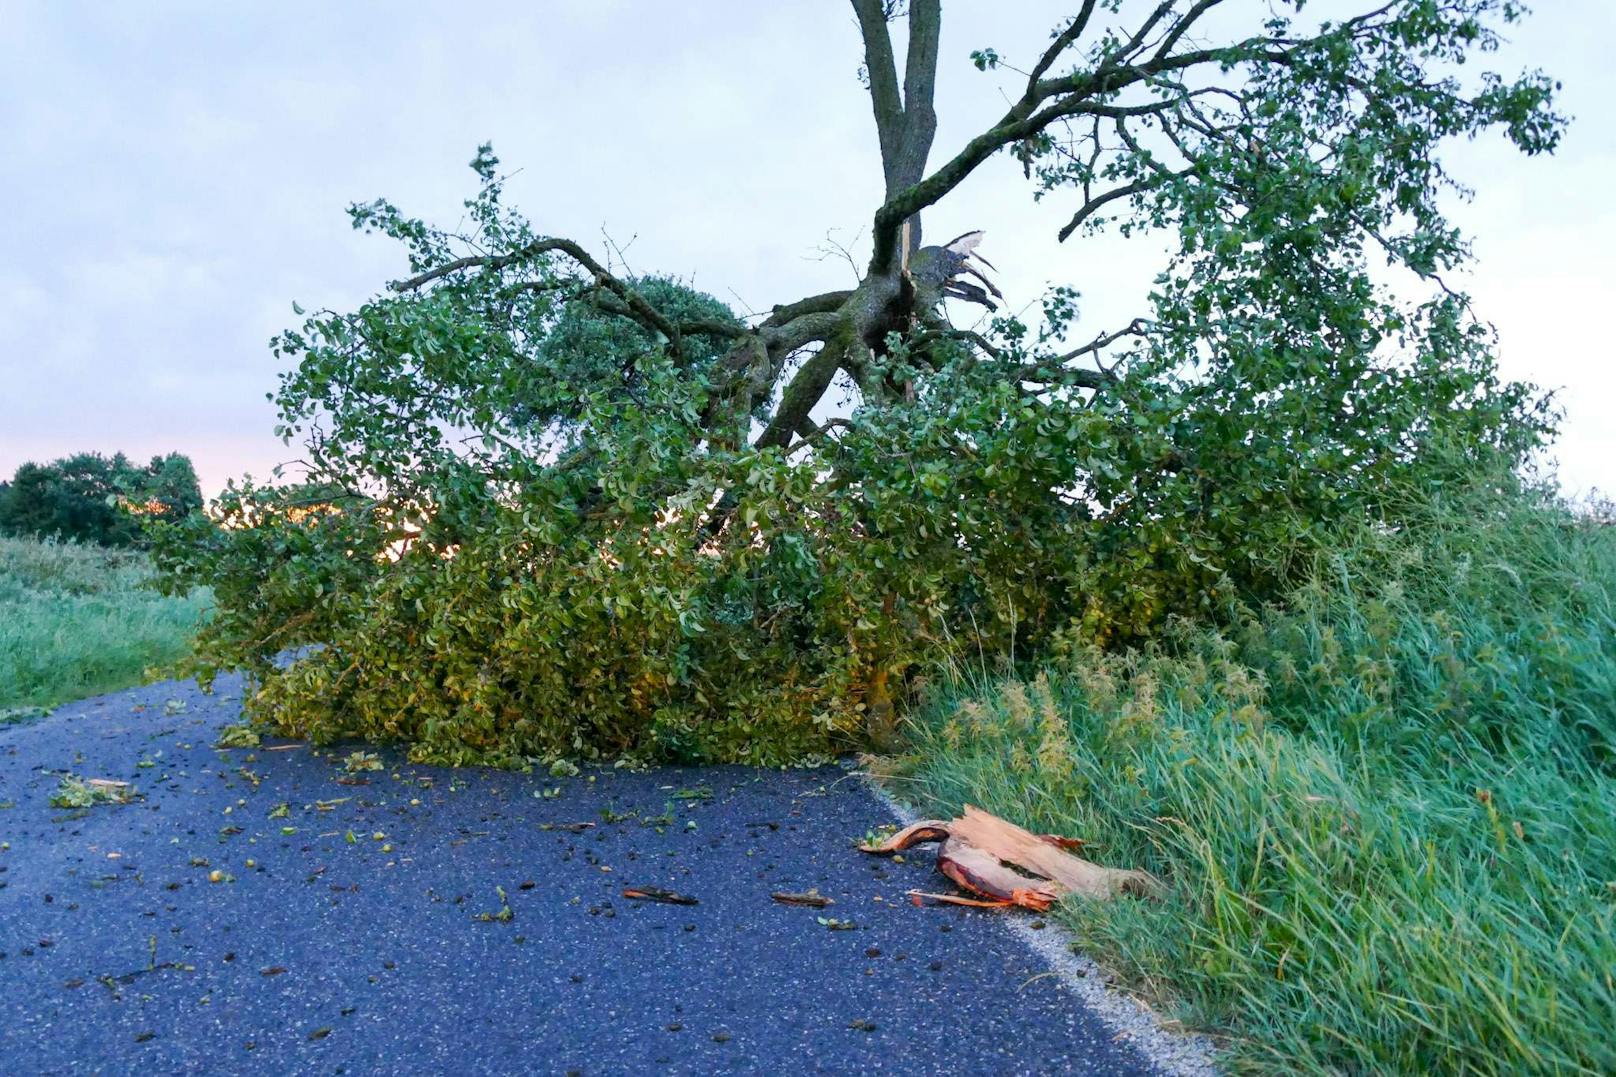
{"x": 812, "y": 898}
{"x": 656, "y": 893}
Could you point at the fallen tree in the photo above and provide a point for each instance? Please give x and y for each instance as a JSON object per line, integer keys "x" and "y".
{"x": 569, "y": 511}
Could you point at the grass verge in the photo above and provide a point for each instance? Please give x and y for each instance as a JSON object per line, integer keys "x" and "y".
{"x": 1387, "y": 812}
{"x": 76, "y": 621}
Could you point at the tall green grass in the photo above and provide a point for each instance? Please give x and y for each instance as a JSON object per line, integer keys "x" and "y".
{"x": 1387, "y": 811}
{"x": 76, "y": 621}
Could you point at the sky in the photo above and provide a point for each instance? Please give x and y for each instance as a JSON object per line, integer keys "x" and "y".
{"x": 175, "y": 176}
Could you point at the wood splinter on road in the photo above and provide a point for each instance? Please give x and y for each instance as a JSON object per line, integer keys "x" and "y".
{"x": 1008, "y": 865}
{"x": 811, "y": 898}
{"x": 656, "y": 893}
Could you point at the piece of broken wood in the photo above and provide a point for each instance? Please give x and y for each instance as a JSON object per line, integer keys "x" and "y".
{"x": 656, "y": 893}
{"x": 812, "y": 898}
{"x": 1010, "y": 865}
{"x": 920, "y": 897}
{"x": 1043, "y": 855}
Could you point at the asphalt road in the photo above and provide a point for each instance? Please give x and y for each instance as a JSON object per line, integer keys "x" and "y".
{"x": 356, "y": 923}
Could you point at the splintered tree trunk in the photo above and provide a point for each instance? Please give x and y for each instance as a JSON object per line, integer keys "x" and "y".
{"x": 1012, "y": 866}
{"x": 1044, "y": 855}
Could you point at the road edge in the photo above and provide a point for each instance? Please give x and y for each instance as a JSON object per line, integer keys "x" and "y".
{"x": 1183, "y": 1054}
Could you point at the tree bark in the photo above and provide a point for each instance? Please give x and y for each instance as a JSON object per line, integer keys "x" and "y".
{"x": 905, "y": 124}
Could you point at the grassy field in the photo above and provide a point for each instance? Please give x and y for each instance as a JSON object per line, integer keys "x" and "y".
{"x": 1387, "y": 813}
{"x": 76, "y": 621}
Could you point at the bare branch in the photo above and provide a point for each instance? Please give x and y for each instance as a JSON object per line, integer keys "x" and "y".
{"x": 1063, "y": 41}
{"x": 816, "y": 433}
{"x": 1094, "y": 205}
{"x": 1136, "y": 328}
{"x": 1162, "y": 9}
{"x": 1183, "y": 25}
{"x": 1052, "y": 369}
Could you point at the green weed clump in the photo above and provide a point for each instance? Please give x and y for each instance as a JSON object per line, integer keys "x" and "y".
{"x": 76, "y": 621}
{"x": 1387, "y": 811}
{"x": 73, "y": 792}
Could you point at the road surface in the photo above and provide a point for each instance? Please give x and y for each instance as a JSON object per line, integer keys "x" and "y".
{"x": 260, "y": 910}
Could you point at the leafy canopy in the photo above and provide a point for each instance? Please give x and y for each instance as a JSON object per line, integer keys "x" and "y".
{"x": 561, "y": 512}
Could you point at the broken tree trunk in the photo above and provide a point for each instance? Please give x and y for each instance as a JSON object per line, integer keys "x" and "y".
{"x": 993, "y": 857}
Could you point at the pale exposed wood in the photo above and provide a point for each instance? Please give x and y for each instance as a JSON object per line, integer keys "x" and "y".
{"x": 978, "y": 869}
{"x": 992, "y": 856}
{"x": 1072, "y": 874}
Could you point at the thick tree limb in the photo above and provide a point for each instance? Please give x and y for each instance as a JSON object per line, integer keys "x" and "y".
{"x": 882, "y": 71}
{"x": 906, "y": 125}
{"x": 800, "y": 396}
{"x": 823, "y": 303}
{"x": 919, "y": 85}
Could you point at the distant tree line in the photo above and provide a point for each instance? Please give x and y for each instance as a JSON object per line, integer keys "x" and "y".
{"x": 93, "y": 498}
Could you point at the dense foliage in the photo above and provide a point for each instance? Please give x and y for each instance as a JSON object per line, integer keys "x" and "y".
{"x": 92, "y": 498}
{"x": 1386, "y": 808}
{"x": 564, "y": 513}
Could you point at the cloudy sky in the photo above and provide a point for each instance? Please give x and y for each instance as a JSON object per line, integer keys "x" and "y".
{"x": 174, "y": 176}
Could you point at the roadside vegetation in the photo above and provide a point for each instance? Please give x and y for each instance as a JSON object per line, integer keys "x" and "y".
{"x": 1386, "y": 807}
{"x": 76, "y": 621}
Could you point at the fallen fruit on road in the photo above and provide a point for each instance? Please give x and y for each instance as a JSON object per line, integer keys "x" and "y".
{"x": 1008, "y": 865}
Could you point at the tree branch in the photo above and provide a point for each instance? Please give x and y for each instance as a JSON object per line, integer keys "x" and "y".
{"x": 689, "y": 326}
{"x": 905, "y": 126}
{"x": 1183, "y": 25}
{"x": 641, "y": 310}
{"x": 882, "y": 71}
{"x": 919, "y": 85}
{"x": 802, "y": 394}
{"x": 1080, "y": 93}
{"x": 1063, "y": 41}
{"x": 823, "y": 303}
{"x": 816, "y": 433}
{"x": 1051, "y": 370}
{"x": 1094, "y": 205}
